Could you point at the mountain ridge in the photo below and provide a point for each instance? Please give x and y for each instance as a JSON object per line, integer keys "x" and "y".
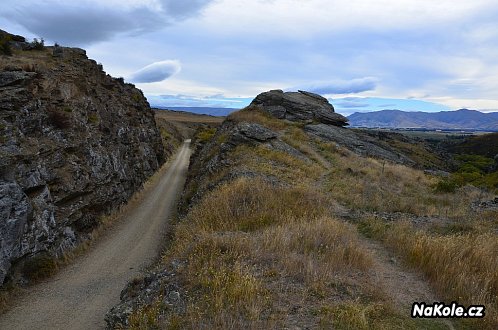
{"x": 458, "y": 119}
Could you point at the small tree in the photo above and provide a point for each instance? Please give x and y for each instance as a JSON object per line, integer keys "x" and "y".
{"x": 38, "y": 44}
{"x": 5, "y": 48}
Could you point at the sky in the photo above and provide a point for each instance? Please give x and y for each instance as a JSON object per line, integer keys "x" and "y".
{"x": 363, "y": 55}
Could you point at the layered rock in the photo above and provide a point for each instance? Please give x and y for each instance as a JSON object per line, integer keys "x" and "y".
{"x": 75, "y": 144}
{"x": 360, "y": 143}
{"x": 299, "y": 106}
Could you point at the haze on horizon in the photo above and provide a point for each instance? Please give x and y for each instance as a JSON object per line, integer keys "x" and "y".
{"x": 363, "y": 55}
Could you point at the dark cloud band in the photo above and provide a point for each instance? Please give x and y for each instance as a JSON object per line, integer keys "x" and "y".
{"x": 88, "y": 22}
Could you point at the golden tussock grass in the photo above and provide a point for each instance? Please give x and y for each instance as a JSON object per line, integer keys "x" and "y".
{"x": 280, "y": 164}
{"x": 254, "y": 114}
{"x": 462, "y": 267}
{"x": 247, "y": 241}
{"x": 296, "y": 138}
{"x": 247, "y": 205}
{"x": 357, "y": 315}
{"x": 375, "y": 185}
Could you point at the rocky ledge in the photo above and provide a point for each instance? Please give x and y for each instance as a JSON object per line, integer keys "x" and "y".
{"x": 299, "y": 106}
{"x": 75, "y": 144}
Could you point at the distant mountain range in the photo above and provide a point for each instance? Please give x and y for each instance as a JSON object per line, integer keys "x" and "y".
{"x": 201, "y": 110}
{"x": 459, "y": 119}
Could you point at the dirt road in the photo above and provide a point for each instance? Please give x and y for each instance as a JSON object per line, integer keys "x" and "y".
{"x": 80, "y": 295}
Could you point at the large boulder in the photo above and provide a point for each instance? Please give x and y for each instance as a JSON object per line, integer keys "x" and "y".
{"x": 299, "y": 106}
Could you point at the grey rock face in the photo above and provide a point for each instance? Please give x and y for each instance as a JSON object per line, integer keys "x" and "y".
{"x": 143, "y": 292}
{"x": 361, "y": 144}
{"x": 486, "y": 205}
{"x": 250, "y": 133}
{"x": 299, "y": 106}
{"x": 15, "y": 210}
{"x": 75, "y": 144}
{"x": 14, "y": 77}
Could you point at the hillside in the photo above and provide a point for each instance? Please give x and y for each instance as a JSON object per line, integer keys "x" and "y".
{"x": 460, "y": 119}
{"x": 289, "y": 220}
{"x": 484, "y": 145}
{"x": 75, "y": 145}
{"x": 201, "y": 110}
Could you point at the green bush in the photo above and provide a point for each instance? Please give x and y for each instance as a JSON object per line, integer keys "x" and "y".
{"x": 206, "y": 134}
{"x": 445, "y": 186}
{"x": 474, "y": 162}
{"x": 5, "y": 48}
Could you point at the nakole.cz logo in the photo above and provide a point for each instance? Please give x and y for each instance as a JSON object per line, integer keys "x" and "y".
{"x": 424, "y": 310}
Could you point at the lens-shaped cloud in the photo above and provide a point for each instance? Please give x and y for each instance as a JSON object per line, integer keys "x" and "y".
{"x": 340, "y": 86}
{"x": 156, "y": 72}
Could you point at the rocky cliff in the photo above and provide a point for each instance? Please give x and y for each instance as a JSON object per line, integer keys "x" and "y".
{"x": 299, "y": 106}
{"x": 75, "y": 143}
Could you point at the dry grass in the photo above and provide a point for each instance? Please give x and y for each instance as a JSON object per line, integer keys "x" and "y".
{"x": 247, "y": 244}
{"x": 31, "y": 61}
{"x": 314, "y": 250}
{"x": 355, "y": 315}
{"x": 146, "y": 317}
{"x": 247, "y": 205}
{"x": 458, "y": 255}
{"x": 276, "y": 163}
{"x": 462, "y": 267}
{"x": 375, "y": 185}
{"x": 257, "y": 255}
{"x": 295, "y": 137}
{"x": 253, "y": 114}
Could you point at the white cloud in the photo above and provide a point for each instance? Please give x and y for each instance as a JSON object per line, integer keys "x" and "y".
{"x": 485, "y": 105}
{"x": 156, "y": 72}
{"x": 338, "y": 87}
{"x": 297, "y": 17}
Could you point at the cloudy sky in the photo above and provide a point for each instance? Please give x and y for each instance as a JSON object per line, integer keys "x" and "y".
{"x": 364, "y": 55}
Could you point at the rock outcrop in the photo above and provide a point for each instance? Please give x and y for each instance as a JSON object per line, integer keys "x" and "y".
{"x": 320, "y": 121}
{"x": 214, "y": 158}
{"x": 154, "y": 288}
{"x": 75, "y": 143}
{"x": 299, "y": 106}
{"x": 485, "y": 205}
{"x": 361, "y": 144}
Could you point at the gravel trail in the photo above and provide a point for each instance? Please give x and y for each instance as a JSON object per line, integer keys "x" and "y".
{"x": 80, "y": 294}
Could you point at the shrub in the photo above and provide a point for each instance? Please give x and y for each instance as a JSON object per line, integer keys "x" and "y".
{"x": 38, "y": 44}
{"x": 205, "y": 135}
{"x": 474, "y": 163}
{"x": 5, "y": 48}
{"x": 445, "y": 186}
